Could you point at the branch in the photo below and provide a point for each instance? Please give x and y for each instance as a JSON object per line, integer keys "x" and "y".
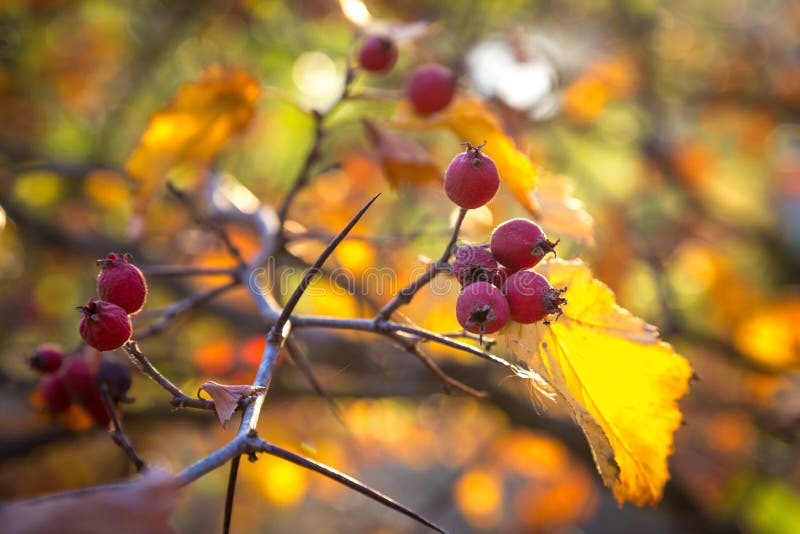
{"x": 188, "y": 270}
{"x": 226, "y": 524}
{"x": 118, "y": 435}
{"x": 304, "y": 365}
{"x": 345, "y": 480}
{"x": 407, "y": 293}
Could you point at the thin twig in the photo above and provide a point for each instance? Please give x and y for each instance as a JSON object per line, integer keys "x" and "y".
{"x": 304, "y": 365}
{"x": 229, "y": 494}
{"x": 179, "y": 398}
{"x": 117, "y": 434}
{"x": 405, "y": 295}
{"x": 344, "y": 479}
{"x": 188, "y": 270}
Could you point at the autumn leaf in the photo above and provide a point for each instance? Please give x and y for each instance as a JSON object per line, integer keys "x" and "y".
{"x": 472, "y": 121}
{"x": 619, "y": 381}
{"x": 561, "y": 213}
{"x": 226, "y": 398}
{"x": 192, "y": 128}
{"x": 145, "y": 505}
{"x": 403, "y": 161}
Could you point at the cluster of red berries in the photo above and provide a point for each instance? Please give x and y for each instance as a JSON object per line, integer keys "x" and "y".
{"x": 122, "y": 290}
{"x": 430, "y": 87}
{"x": 73, "y": 380}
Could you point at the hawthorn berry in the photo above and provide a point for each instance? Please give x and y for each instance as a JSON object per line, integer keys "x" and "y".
{"x": 121, "y": 283}
{"x": 55, "y": 395}
{"x": 116, "y": 377}
{"x": 519, "y": 244}
{"x": 471, "y": 180}
{"x": 531, "y": 298}
{"x": 104, "y": 326}
{"x": 431, "y": 88}
{"x": 47, "y": 358}
{"x": 378, "y": 53}
{"x": 481, "y": 308}
{"x": 473, "y": 263}
{"x": 97, "y": 408}
{"x": 78, "y": 379}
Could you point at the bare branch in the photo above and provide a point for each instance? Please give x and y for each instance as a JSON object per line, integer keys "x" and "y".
{"x": 304, "y": 365}
{"x": 117, "y": 434}
{"x": 188, "y": 270}
{"x": 229, "y": 494}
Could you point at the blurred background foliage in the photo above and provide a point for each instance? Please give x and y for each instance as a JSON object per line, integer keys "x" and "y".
{"x": 678, "y": 123}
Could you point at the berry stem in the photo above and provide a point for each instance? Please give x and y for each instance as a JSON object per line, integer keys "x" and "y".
{"x": 117, "y": 434}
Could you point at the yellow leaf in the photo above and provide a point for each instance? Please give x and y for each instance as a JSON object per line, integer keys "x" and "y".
{"x": 473, "y": 122}
{"x": 619, "y": 381}
{"x": 561, "y": 213}
{"x": 192, "y": 128}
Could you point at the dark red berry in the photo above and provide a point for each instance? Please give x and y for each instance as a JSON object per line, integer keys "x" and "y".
{"x": 474, "y": 263}
{"x": 121, "y": 283}
{"x": 500, "y": 277}
{"x": 481, "y": 308}
{"x": 519, "y": 244}
{"x": 97, "y": 409}
{"x": 47, "y": 358}
{"x": 55, "y": 395}
{"x": 104, "y": 326}
{"x": 116, "y": 377}
{"x": 471, "y": 179}
{"x": 378, "y": 53}
{"x": 78, "y": 379}
{"x": 531, "y": 298}
{"x": 431, "y": 88}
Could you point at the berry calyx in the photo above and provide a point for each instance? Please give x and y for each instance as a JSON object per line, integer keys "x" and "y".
{"x": 121, "y": 283}
{"x": 55, "y": 395}
{"x": 431, "y": 88}
{"x": 531, "y": 298}
{"x": 47, "y": 358}
{"x": 104, "y": 326}
{"x": 481, "y": 308}
{"x": 474, "y": 263}
{"x": 378, "y": 53}
{"x": 116, "y": 377}
{"x": 471, "y": 179}
{"x": 520, "y": 243}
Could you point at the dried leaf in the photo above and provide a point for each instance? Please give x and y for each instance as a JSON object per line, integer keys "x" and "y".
{"x": 619, "y": 381}
{"x": 192, "y": 128}
{"x": 473, "y": 121}
{"x": 403, "y": 161}
{"x": 142, "y": 506}
{"x": 227, "y": 397}
{"x": 562, "y": 213}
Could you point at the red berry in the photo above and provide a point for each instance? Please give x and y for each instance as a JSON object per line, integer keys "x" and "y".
{"x": 116, "y": 377}
{"x": 519, "y": 244}
{"x": 531, "y": 297}
{"x": 431, "y": 88}
{"x": 378, "y": 53}
{"x": 97, "y": 409}
{"x": 474, "y": 263}
{"x": 47, "y": 358}
{"x": 481, "y": 308}
{"x": 77, "y": 379}
{"x": 121, "y": 283}
{"x": 55, "y": 395}
{"x": 500, "y": 277}
{"x": 471, "y": 179}
{"x": 104, "y": 326}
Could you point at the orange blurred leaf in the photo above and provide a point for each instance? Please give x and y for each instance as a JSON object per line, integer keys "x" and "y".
{"x": 474, "y": 122}
{"x": 403, "y": 160}
{"x": 142, "y": 506}
{"x": 561, "y": 212}
{"x": 619, "y": 381}
{"x": 769, "y": 334}
{"x": 227, "y": 397}
{"x": 192, "y": 128}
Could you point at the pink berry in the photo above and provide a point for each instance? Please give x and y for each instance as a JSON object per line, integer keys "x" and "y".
{"x": 481, "y": 308}
{"x": 471, "y": 179}
{"x": 378, "y": 53}
{"x": 55, "y": 395}
{"x": 519, "y": 244}
{"x": 531, "y": 298}
{"x": 104, "y": 326}
{"x": 121, "y": 283}
{"x": 474, "y": 263}
{"x": 47, "y": 358}
{"x": 431, "y": 88}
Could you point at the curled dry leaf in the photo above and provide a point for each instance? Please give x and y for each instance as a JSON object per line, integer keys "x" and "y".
{"x": 402, "y": 160}
{"x": 617, "y": 378}
{"x": 226, "y": 398}
{"x": 192, "y": 128}
{"x": 145, "y": 505}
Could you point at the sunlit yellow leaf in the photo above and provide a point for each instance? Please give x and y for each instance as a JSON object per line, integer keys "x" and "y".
{"x": 473, "y": 122}
{"x": 193, "y": 127}
{"x": 618, "y": 379}
{"x": 562, "y": 213}
{"x": 403, "y": 161}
